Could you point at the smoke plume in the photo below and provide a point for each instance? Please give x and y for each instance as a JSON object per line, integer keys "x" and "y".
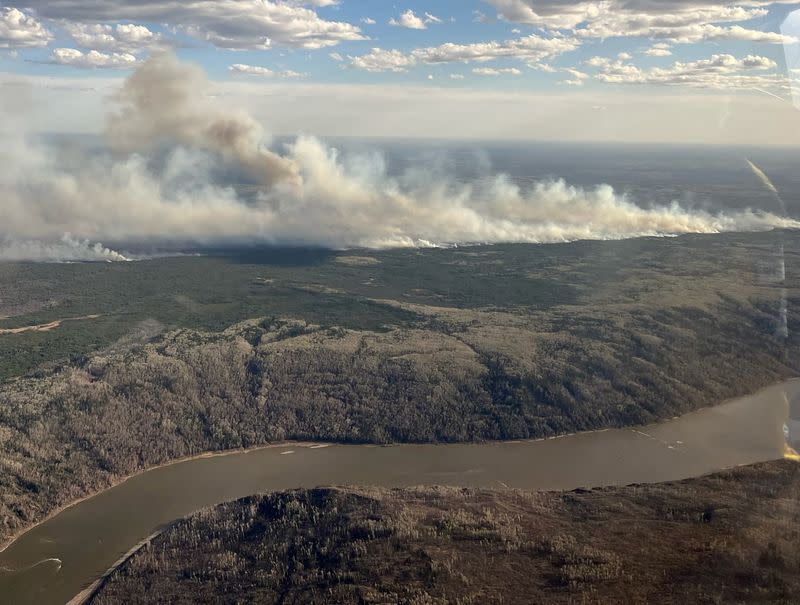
{"x": 164, "y": 101}
{"x": 65, "y": 250}
{"x": 309, "y": 194}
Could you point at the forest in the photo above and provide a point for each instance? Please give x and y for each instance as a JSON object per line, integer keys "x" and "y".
{"x": 665, "y": 329}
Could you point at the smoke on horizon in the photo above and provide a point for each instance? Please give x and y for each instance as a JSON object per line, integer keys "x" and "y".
{"x": 67, "y": 249}
{"x": 308, "y": 195}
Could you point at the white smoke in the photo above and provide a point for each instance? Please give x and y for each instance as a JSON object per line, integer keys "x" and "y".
{"x": 67, "y": 249}
{"x": 165, "y": 101}
{"x": 309, "y": 195}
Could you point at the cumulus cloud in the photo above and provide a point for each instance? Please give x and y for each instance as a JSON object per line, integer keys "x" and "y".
{"x": 379, "y": 59}
{"x": 660, "y": 49}
{"x": 255, "y": 70}
{"x": 334, "y": 199}
{"x": 410, "y": 20}
{"x": 233, "y": 24}
{"x": 20, "y": 30}
{"x": 682, "y": 21}
{"x": 531, "y": 48}
{"x": 92, "y": 59}
{"x": 708, "y": 32}
{"x": 122, "y": 37}
{"x": 721, "y": 71}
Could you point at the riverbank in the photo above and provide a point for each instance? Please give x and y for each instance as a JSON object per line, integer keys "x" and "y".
{"x": 788, "y": 384}
{"x": 95, "y": 533}
{"x": 202, "y": 456}
{"x": 86, "y": 595}
{"x": 726, "y": 537}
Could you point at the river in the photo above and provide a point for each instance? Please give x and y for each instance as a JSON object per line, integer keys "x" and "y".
{"x": 55, "y": 560}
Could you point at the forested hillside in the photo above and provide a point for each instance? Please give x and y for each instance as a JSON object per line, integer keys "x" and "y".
{"x": 726, "y": 538}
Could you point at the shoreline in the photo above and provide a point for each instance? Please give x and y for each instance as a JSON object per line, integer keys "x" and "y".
{"x": 219, "y": 454}
{"x": 90, "y": 591}
{"x": 310, "y": 444}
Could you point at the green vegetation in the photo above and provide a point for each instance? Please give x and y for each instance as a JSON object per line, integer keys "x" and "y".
{"x": 500, "y": 342}
{"x": 213, "y": 292}
{"x": 725, "y": 538}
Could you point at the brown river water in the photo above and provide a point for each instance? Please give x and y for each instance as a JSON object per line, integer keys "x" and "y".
{"x": 54, "y": 561}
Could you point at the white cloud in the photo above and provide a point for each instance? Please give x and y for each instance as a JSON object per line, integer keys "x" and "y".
{"x": 410, "y": 20}
{"x": 531, "y": 48}
{"x": 545, "y": 67}
{"x": 690, "y": 34}
{"x": 624, "y": 56}
{"x": 127, "y": 38}
{"x": 682, "y": 21}
{"x": 92, "y": 59}
{"x": 597, "y": 61}
{"x": 254, "y": 70}
{"x": 233, "y": 24}
{"x": 721, "y": 71}
{"x": 336, "y": 57}
{"x": 577, "y": 78}
{"x": 550, "y": 14}
{"x": 20, "y": 30}
{"x": 577, "y": 74}
{"x": 368, "y": 21}
{"x": 383, "y": 60}
{"x": 456, "y": 76}
{"x": 659, "y": 50}
{"x": 492, "y": 71}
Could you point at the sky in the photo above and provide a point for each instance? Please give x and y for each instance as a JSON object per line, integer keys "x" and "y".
{"x": 622, "y": 70}
{"x": 188, "y": 96}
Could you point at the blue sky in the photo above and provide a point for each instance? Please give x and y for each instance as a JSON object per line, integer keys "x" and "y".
{"x": 713, "y": 30}
{"x": 662, "y": 70}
